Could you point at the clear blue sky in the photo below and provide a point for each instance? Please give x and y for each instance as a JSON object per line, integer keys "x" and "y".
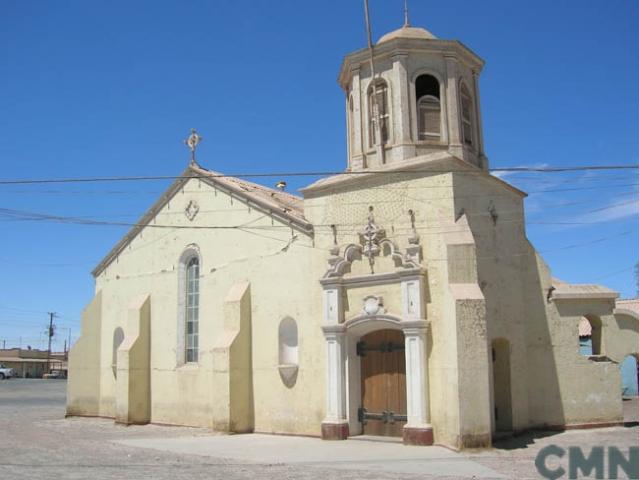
{"x": 106, "y": 88}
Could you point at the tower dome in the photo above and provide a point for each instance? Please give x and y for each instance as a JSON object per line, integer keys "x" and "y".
{"x": 407, "y": 32}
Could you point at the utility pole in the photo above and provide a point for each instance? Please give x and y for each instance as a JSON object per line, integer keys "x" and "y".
{"x": 4, "y": 344}
{"x": 52, "y": 315}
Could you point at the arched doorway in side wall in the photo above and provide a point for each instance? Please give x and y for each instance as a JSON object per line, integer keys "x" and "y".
{"x": 630, "y": 376}
{"x": 383, "y": 383}
{"x": 502, "y": 397}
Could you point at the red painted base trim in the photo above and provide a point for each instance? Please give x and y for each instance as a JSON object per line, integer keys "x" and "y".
{"x": 334, "y": 431}
{"x": 418, "y": 436}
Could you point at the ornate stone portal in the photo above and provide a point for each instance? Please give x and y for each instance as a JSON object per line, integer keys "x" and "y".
{"x": 342, "y": 383}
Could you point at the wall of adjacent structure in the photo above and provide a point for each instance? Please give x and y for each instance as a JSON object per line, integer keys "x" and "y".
{"x": 553, "y": 385}
{"x": 495, "y": 218}
{"x": 278, "y": 269}
{"x": 592, "y": 388}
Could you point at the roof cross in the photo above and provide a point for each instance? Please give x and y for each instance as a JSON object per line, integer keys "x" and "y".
{"x": 406, "y": 17}
{"x": 192, "y": 142}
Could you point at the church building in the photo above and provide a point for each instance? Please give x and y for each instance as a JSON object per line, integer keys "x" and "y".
{"x": 399, "y": 298}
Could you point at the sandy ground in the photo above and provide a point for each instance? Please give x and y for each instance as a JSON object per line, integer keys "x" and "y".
{"x": 37, "y": 443}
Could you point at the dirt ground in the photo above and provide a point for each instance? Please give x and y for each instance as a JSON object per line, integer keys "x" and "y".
{"x": 38, "y": 443}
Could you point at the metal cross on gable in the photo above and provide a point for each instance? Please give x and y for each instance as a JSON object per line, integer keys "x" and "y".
{"x": 192, "y": 142}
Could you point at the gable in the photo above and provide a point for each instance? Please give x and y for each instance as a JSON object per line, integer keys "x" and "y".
{"x": 281, "y": 207}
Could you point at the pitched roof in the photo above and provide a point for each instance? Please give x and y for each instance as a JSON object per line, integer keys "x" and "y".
{"x": 287, "y": 207}
{"x": 282, "y": 201}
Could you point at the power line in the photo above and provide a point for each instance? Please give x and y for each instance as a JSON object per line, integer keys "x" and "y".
{"x": 584, "y": 168}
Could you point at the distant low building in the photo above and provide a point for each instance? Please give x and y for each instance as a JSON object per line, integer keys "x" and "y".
{"x": 32, "y": 363}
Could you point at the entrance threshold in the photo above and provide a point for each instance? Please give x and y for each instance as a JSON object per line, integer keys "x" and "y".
{"x": 376, "y": 438}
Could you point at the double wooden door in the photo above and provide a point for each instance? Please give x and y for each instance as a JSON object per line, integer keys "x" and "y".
{"x": 383, "y": 375}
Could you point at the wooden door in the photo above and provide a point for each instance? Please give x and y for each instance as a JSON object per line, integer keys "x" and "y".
{"x": 383, "y": 374}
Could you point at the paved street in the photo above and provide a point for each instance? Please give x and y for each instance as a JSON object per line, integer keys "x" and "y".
{"x": 39, "y": 443}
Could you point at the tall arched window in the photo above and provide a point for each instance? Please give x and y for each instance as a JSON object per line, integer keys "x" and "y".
{"x": 192, "y": 306}
{"x": 466, "y": 115}
{"x": 378, "y": 109}
{"x": 429, "y": 112}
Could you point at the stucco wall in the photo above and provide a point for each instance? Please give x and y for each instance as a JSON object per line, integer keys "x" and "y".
{"x": 483, "y": 281}
{"x": 83, "y": 386}
{"x": 279, "y": 269}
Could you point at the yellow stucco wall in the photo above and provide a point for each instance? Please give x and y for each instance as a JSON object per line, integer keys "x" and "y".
{"x": 483, "y": 281}
{"x": 279, "y": 272}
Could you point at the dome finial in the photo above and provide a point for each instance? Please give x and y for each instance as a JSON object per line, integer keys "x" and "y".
{"x": 406, "y": 19}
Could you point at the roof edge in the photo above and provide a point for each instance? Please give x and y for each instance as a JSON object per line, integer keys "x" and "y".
{"x": 141, "y": 223}
{"x": 214, "y": 180}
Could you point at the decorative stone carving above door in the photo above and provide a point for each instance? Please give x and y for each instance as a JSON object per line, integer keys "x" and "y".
{"x": 373, "y": 243}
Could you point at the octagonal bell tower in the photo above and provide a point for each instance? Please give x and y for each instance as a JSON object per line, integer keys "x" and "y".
{"x": 410, "y": 95}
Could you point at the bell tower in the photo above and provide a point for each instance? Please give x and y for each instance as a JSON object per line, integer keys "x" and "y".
{"x": 411, "y": 95}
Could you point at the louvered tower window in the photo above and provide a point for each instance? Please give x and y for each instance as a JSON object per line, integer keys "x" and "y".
{"x": 429, "y": 111}
{"x": 467, "y": 115}
{"x": 378, "y": 110}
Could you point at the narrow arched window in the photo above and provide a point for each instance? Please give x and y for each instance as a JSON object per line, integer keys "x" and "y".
{"x": 192, "y": 305}
{"x": 378, "y": 112}
{"x": 429, "y": 112}
{"x": 466, "y": 115}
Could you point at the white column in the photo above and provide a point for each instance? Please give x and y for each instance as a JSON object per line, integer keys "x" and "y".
{"x": 335, "y": 375}
{"x": 417, "y": 406}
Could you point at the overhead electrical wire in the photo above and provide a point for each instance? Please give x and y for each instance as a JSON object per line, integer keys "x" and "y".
{"x": 583, "y": 168}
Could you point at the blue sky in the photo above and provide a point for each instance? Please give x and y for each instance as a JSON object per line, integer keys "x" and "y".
{"x": 107, "y": 88}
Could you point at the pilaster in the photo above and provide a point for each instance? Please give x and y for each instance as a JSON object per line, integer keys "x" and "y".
{"x": 357, "y": 147}
{"x": 452, "y": 107}
{"x": 478, "y": 121}
{"x": 335, "y": 425}
{"x": 402, "y": 140}
{"x": 418, "y": 430}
